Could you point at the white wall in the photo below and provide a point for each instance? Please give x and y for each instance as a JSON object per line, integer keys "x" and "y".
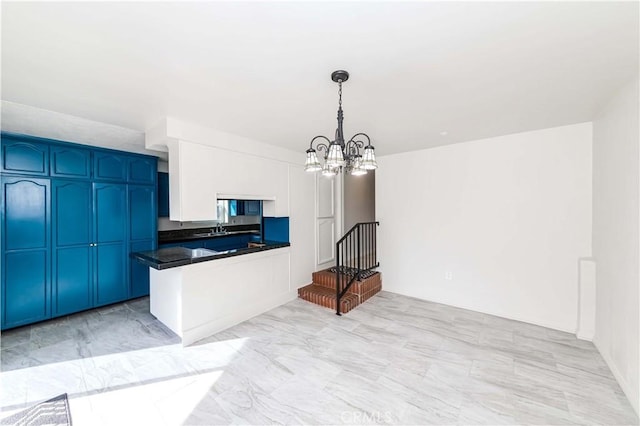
{"x": 301, "y": 225}
{"x": 615, "y": 236}
{"x": 508, "y": 217}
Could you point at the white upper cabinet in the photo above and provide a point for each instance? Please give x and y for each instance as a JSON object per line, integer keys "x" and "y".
{"x": 200, "y": 174}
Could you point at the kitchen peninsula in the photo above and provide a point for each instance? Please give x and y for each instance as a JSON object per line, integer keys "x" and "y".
{"x": 198, "y": 292}
{"x": 213, "y": 291}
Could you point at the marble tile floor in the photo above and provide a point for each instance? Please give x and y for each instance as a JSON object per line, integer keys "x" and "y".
{"x": 394, "y": 360}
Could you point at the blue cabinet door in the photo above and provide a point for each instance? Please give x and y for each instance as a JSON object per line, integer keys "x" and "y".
{"x": 68, "y": 161}
{"x": 139, "y": 273}
{"x": 143, "y": 230}
{"x": 109, "y": 166}
{"x": 26, "y": 292}
{"x": 142, "y": 170}
{"x": 71, "y": 246}
{"x": 252, "y": 207}
{"x": 143, "y": 221}
{"x": 111, "y": 243}
{"x": 21, "y": 156}
{"x": 163, "y": 194}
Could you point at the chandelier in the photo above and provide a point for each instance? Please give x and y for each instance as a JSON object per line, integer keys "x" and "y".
{"x": 341, "y": 155}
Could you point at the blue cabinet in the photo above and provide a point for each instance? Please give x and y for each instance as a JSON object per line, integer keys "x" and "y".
{"x": 111, "y": 245}
{"x": 67, "y": 161}
{"x": 142, "y": 170}
{"x": 26, "y": 241}
{"x": 252, "y": 207}
{"x": 70, "y": 217}
{"x": 276, "y": 229}
{"x": 72, "y": 246}
{"x": 110, "y": 166}
{"x": 139, "y": 273}
{"x": 142, "y": 212}
{"x": 24, "y": 156}
{"x": 244, "y": 208}
{"x": 163, "y": 194}
{"x": 142, "y": 234}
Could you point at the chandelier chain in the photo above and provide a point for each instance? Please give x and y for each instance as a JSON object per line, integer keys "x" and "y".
{"x": 340, "y": 93}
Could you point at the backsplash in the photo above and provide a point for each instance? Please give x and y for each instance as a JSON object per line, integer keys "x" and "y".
{"x": 164, "y": 224}
{"x": 276, "y": 229}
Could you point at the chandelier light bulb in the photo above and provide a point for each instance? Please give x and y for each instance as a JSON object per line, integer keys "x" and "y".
{"x": 357, "y": 169}
{"x": 329, "y": 171}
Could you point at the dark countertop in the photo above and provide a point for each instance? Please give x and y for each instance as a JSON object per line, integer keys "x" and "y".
{"x": 179, "y": 235}
{"x": 179, "y": 256}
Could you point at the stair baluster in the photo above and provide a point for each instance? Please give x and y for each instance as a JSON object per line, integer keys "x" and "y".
{"x": 359, "y": 245}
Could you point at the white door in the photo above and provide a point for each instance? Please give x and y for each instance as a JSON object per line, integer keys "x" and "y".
{"x": 327, "y": 220}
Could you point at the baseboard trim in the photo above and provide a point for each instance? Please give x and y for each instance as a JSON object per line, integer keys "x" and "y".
{"x": 571, "y": 330}
{"x": 634, "y": 400}
{"x": 585, "y": 335}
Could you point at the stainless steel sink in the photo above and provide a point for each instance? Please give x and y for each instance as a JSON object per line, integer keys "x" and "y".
{"x": 202, "y": 252}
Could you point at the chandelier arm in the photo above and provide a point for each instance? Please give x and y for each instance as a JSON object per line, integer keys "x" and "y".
{"x": 353, "y": 147}
{"x": 361, "y": 134}
{"x": 319, "y": 144}
{"x": 323, "y": 147}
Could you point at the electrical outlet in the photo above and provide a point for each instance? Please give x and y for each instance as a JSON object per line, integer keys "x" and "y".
{"x": 448, "y": 275}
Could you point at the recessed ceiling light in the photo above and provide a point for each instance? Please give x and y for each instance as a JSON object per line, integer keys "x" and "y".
{"x": 445, "y": 133}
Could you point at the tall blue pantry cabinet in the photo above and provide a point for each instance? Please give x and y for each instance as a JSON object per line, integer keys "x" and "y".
{"x": 70, "y": 216}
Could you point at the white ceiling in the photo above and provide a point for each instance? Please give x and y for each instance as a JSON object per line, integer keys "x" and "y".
{"x": 261, "y": 70}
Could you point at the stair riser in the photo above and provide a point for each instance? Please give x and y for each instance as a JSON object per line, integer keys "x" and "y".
{"x": 369, "y": 294}
{"x": 328, "y": 280}
{"x": 327, "y": 302}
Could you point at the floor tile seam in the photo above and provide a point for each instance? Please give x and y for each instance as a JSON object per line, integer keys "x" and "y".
{"x": 573, "y": 413}
{"x": 620, "y": 404}
{"x": 518, "y": 389}
{"x": 419, "y": 394}
{"x": 457, "y": 409}
{"x": 510, "y": 403}
{"x": 4, "y": 345}
{"x": 355, "y": 407}
{"x": 610, "y": 379}
{"x": 561, "y": 375}
{"x": 546, "y": 340}
{"x": 565, "y": 386}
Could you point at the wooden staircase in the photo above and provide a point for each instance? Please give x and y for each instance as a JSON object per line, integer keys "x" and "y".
{"x": 322, "y": 291}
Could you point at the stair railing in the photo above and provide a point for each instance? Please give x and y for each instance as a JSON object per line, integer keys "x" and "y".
{"x": 356, "y": 253}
